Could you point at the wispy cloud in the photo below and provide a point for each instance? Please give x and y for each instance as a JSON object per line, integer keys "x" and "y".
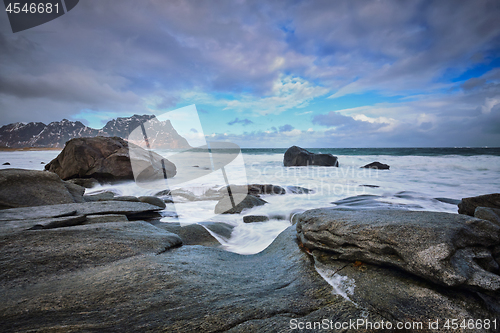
{"x": 243, "y": 122}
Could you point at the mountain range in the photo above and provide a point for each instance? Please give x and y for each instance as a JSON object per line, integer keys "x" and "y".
{"x": 57, "y": 133}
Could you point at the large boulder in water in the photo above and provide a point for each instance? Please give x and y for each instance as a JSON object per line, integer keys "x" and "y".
{"x": 448, "y": 249}
{"x": 468, "y": 205}
{"x": 377, "y": 165}
{"x": 26, "y": 188}
{"x": 296, "y": 156}
{"x": 106, "y": 159}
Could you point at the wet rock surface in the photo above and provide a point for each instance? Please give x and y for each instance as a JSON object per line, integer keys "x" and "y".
{"x": 236, "y": 203}
{"x": 376, "y": 165}
{"x": 468, "y": 205}
{"x": 448, "y": 249}
{"x": 296, "y": 156}
{"x": 106, "y": 159}
{"x": 26, "y": 188}
{"x": 87, "y": 208}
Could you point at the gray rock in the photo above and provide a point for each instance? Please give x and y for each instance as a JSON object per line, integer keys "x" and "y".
{"x": 129, "y": 198}
{"x": 371, "y": 186}
{"x": 85, "y": 182}
{"x": 30, "y": 256}
{"x": 255, "y": 218}
{"x": 106, "y": 218}
{"x": 296, "y": 156}
{"x": 298, "y": 190}
{"x": 253, "y": 189}
{"x": 187, "y": 289}
{"x": 241, "y": 201}
{"x": 402, "y": 297}
{"x": 102, "y": 196}
{"x": 87, "y": 208}
{"x": 196, "y": 288}
{"x": 376, "y": 165}
{"x": 61, "y": 222}
{"x": 106, "y": 159}
{"x": 162, "y": 193}
{"x": 490, "y": 214}
{"x": 153, "y": 201}
{"x": 27, "y": 188}
{"x": 197, "y": 233}
{"x": 468, "y": 205}
{"x": 76, "y": 191}
{"x": 190, "y": 196}
{"x": 14, "y": 226}
{"x": 448, "y": 249}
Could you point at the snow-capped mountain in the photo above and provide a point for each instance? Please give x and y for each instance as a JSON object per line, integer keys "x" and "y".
{"x": 56, "y": 134}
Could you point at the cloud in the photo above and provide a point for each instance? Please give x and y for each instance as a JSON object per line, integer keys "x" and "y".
{"x": 347, "y": 123}
{"x": 286, "y": 128}
{"x": 267, "y": 58}
{"x": 243, "y": 122}
{"x": 287, "y": 92}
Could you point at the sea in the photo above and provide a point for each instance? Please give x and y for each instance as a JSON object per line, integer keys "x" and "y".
{"x": 425, "y": 179}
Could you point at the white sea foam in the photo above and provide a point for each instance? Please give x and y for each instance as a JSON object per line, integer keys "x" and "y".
{"x": 411, "y": 183}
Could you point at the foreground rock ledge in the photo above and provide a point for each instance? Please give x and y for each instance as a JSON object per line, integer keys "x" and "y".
{"x": 448, "y": 249}
{"x": 124, "y": 277}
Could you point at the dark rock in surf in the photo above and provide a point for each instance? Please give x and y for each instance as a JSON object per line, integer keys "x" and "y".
{"x": 241, "y": 201}
{"x": 255, "y": 218}
{"x": 468, "y": 205}
{"x": 296, "y": 156}
{"x": 448, "y": 201}
{"x": 298, "y": 190}
{"x": 6, "y": 163}
{"x": 26, "y": 188}
{"x": 376, "y": 165}
{"x": 85, "y": 182}
{"x": 253, "y": 189}
{"x": 107, "y": 159}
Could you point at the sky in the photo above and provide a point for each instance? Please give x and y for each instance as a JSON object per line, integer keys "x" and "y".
{"x": 315, "y": 74}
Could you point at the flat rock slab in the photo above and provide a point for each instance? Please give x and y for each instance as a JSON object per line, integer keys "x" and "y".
{"x": 31, "y": 256}
{"x": 27, "y": 188}
{"x": 86, "y": 208}
{"x": 8, "y": 227}
{"x": 186, "y": 289}
{"x": 448, "y": 249}
{"x": 203, "y": 289}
